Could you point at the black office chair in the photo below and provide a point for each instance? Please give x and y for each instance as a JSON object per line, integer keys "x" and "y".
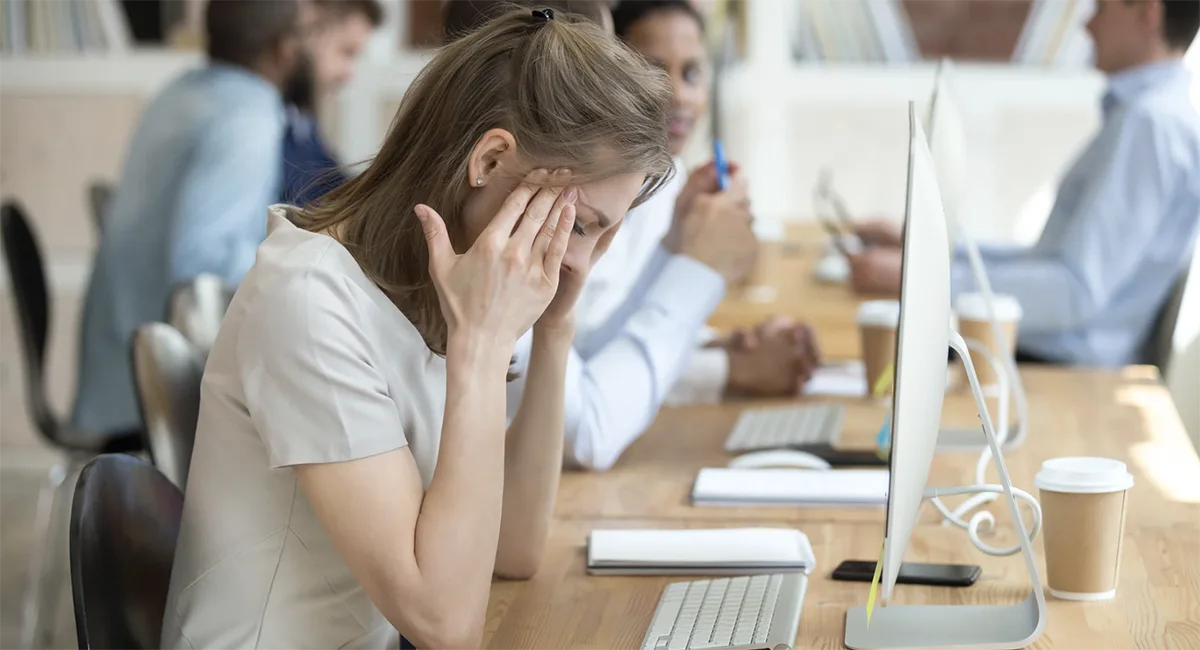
{"x": 1159, "y": 345}
{"x": 100, "y": 195}
{"x": 27, "y": 278}
{"x": 124, "y": 522}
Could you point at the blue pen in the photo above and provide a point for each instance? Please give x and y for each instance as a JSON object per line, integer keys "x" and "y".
{"x": 722, "y": 165}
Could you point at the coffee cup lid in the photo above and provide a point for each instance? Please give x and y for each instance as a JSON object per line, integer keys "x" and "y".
{"x": 1082, "y": 475}
{"x": 975, "y": 307}
{"x": 879, "y": 313}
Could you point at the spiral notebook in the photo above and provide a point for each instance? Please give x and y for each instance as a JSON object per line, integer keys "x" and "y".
{"x": 722, "y": 551}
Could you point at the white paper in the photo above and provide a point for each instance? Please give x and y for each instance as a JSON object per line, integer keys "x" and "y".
{"x": 843, "y": 380}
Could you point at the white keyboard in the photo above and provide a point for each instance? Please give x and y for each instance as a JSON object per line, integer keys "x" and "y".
{"x": 746, "y": 612}
{"x": 789, "y": 426}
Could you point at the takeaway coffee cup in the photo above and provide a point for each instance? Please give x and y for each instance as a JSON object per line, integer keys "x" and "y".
{"x": 877, "y": 323}
{"x": 974, "y": 322}
{"x": 1084, "y": 501}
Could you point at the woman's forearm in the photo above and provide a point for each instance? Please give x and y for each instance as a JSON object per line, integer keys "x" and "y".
{"x": 533, "y": 457}
{"x": 459, "y": 522}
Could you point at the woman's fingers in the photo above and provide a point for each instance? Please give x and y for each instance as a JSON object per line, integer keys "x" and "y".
{"x": 545, "y": 234}
{"x": 514, "y": 206}
{"x": 559, "y": 239}
{"x": 441, "y": 252}
{"x": 539, "y": 212}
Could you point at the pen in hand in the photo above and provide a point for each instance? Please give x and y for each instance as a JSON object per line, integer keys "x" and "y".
{"x": 722, "y": 165}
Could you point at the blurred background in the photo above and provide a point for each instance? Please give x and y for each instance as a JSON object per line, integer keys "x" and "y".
{"x": 805, "y": 85}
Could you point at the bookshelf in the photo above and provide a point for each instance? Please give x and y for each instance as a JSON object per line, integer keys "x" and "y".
{"x": 55, "y": 26}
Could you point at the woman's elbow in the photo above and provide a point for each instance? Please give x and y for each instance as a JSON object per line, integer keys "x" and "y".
{"x": 451, "y": 630}
{"x": 524, "y": 567}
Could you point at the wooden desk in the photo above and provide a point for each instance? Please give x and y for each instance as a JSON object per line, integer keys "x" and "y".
{"x": 1126, "y": 415}
{"x": 1156, "y": 605}
{"x": 786, "y": 270}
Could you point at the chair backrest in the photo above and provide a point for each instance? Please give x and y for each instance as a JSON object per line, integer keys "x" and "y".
{"x": 124, "y": 522}
{"x": 1159, "y": 343}
{"x": 100, "y": 196}
{"x": 27, "y": 277}
{"x": 197, "y": 308}
{"x": 167, "y": 369}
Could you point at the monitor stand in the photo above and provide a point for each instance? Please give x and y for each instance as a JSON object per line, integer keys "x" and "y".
{"x": 982, "y": 627}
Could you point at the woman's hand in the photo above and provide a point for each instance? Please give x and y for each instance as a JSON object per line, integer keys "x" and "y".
{"x": 503, "y": 283}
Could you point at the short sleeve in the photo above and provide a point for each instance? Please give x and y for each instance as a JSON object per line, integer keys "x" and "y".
{"x": 313, "y": 388}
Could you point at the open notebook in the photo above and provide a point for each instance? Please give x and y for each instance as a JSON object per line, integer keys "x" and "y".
{"x": 723, "y": 551}
{"x": 791, "y": 487}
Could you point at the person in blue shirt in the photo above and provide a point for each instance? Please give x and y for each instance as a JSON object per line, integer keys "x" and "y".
{"x": 310, "y": 169}
{"x": 1123, "y": 228}
{"x": 202, "y": 168}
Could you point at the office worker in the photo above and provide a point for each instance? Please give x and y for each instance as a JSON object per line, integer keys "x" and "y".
{"x": 343, "y": 27}
{"x": 352, "y": 476}
{"x": 641, "y": 339}
{"x": 1124, "y": 225}
{"x": 203, "y": 166}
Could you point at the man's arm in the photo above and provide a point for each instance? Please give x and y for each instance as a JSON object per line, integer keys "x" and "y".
{"x": 1116, "y": 221}
{"x": 221, "y": 217}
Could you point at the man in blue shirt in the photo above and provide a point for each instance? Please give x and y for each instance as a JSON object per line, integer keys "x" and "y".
{"x": 1124, "y": 225}
{"x": 309, "y": 168}
{"x": 201, "y": 171}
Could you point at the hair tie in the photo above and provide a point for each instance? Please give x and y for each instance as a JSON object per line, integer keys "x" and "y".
{"x": 543, "y": 15}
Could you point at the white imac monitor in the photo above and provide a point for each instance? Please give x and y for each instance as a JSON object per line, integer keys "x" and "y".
{"x": 922, "y": 339}
{"x": 921, "y": 344}
{"x": 946, "y": 135}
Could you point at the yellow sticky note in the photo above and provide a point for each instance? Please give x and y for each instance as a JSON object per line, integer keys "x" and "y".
{"x": 884, "y": 381}
{"x": 874, "y": 586}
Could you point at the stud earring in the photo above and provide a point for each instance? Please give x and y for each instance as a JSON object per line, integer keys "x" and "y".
{"x": 479, "y": 181}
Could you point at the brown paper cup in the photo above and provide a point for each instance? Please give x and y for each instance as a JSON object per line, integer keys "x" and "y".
{"x": 877, "y": 323}
{"x": 1083, "y": 524}
{"x": 974, "y": 323}
{"x": 982, "y": 331}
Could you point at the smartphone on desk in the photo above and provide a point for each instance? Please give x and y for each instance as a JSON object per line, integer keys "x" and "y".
{"x": 912, "y": 573}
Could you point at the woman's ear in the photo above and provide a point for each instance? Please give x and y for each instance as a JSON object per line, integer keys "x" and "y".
{"x": 494, "y": 153}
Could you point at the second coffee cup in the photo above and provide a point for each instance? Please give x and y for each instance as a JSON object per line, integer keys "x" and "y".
{"x": 877, "y": 323}
{"x": 974, "y": 323}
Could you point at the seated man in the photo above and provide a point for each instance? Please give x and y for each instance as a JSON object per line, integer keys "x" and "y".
{"x": 640, "y": 339}
{"x": 343, "y": 27}
{"x": 201, "y": 171}
{"x": 1124, "y": 225}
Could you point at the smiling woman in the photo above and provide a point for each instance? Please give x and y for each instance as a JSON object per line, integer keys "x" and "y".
{"x": 670, "y": 33}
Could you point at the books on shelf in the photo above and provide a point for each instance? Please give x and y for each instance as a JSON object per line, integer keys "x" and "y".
{"x": 1054, "y": 34}
{"x": 861, "y": 31}
{"x": 62, "y": 26}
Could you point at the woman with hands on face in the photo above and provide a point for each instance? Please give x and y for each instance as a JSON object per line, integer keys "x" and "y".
{"x": 352, "y": 476}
